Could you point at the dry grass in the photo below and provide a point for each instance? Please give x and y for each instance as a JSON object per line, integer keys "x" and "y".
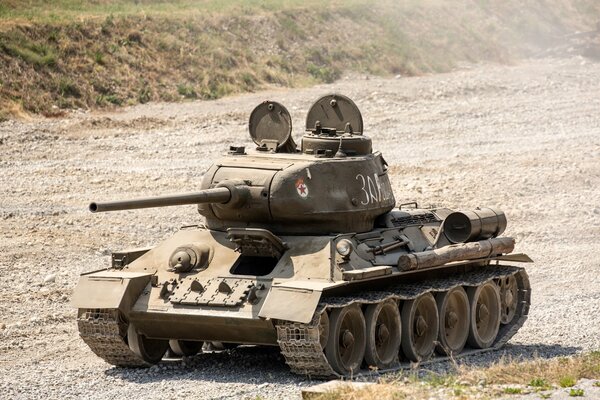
{"x": 89, "y": 54}
{"x": 553, "y": 371}
{"x": 504, "y": 378}
{"x": 12, "y": 109}
{"x": 44, "y": 11}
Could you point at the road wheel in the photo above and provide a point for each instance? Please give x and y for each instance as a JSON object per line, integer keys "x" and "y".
{"x": 485, "y": 315}
{"x": 347, "y": 339}
{"x": 149, "y": 350}
{"x": 383, "y": 334}
{"x": 419, "y": 327}
{"x": 453, "y": 309}
{"x": 185, "y": 347}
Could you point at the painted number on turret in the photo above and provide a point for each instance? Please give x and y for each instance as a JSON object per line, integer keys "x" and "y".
{"x": 301, "y": 188}
{"x": 372, "y": 190}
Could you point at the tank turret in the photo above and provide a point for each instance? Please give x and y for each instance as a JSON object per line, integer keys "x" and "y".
{"x": 335, "y": 183}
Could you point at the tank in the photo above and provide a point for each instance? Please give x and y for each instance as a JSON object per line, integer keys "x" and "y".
{"x": 304, "y": 248}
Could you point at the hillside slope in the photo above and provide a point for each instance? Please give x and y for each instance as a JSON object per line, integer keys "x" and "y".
{"x": 84, "y": 54}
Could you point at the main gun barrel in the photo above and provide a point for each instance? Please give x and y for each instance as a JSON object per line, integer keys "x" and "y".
{"x": 215, "y": 195}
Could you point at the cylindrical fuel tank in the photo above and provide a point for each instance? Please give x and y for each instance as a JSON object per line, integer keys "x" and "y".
{"x": 469, "y": 226}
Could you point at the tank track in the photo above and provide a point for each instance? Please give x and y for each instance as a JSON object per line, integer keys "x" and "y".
{"x": 300, "y": 343}
{"x": 104, "y": 331}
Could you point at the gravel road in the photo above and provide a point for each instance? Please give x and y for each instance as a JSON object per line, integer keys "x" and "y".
{"x": 522, "y": 138}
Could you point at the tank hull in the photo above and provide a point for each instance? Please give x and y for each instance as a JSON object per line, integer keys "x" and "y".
{"x": 288, "y": 302}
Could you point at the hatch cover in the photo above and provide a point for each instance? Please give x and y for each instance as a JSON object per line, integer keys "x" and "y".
{"x": 334, "y": 113}
{"x": 271, "y": 127}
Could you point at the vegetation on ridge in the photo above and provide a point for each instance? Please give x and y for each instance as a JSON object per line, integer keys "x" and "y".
{"x": 86, "y": 54}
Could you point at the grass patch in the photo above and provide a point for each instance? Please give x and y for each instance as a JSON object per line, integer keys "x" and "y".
{"x": 34, "y": 54}
{"x": 540, "y": 373}
{"x": 490, "y": 382}
{"x": 99, "y": 58}
{"x": 68, "y": 88}
{"x": 576, "y": 393}
{"x": 144, "y": 93}
{"x": 324, "y": 74}
{"x": 187, "y": 91}
{"x": 512, "y": 390}
{"x": 539, "y": 383}
{"x": 66, "y": 10}
{"x": 109, "y": 99}
{"x": 567, "y": 381}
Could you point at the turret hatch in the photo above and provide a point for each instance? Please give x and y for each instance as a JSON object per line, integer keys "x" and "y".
{"x": 270, "y": 128}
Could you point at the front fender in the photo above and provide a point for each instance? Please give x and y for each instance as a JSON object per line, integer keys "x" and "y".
{"x": 110, "y": 289}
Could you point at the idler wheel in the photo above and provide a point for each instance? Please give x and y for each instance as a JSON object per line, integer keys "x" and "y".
{"x": 383, "y": 334}
{"x": 345, "y": 347}
{"x": 185, "y": 347}
{"x": 485, "y": 315}
{"x": 453, "y": 309}
{"x": 149, "y": 350}
{"x": 508, "y": 298}
{"x": 420, "y": 323}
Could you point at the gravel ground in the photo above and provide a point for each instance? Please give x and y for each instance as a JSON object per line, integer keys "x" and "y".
{"x": 523, "y": 138}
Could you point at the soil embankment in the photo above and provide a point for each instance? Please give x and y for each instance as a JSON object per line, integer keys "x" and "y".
{"x": 74, "y": 54}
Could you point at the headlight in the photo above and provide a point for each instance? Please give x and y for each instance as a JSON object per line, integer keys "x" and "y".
{"x": 189, "y": 257}
{"x": 344, "y": 247}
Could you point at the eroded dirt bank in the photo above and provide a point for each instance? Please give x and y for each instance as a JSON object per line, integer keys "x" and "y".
{"x": 525, "y": 139}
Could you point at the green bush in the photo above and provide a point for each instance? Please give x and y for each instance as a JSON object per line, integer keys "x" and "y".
{"x": 39, "y": 55}
{"x": 324, "y": 74}
{"x": 187, "y": 91}
{"x": 538, "y": 382}
{"x": 67, "y": 88}
{"x": 567, "y": 381}
{"x": 144, "y": 94}
{"x": 99, "y": 58}
{"x": 105, "y": 99}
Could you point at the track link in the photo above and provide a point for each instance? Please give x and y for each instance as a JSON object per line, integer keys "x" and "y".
{"x": 300, "y": 343}
{"x": 104, "y": 331}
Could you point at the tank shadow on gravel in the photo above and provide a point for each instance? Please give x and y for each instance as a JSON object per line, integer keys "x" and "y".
{"x": 256, "y": 365}
{"x": 245, "y": 364}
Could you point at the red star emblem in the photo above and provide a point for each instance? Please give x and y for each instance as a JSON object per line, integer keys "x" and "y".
{"x": 301, "y": 188}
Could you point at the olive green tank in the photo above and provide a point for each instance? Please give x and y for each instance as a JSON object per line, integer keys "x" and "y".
{"x": 303, "y": 247}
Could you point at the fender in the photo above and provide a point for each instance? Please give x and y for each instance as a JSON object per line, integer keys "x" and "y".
{"x": 110, "y": 289}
